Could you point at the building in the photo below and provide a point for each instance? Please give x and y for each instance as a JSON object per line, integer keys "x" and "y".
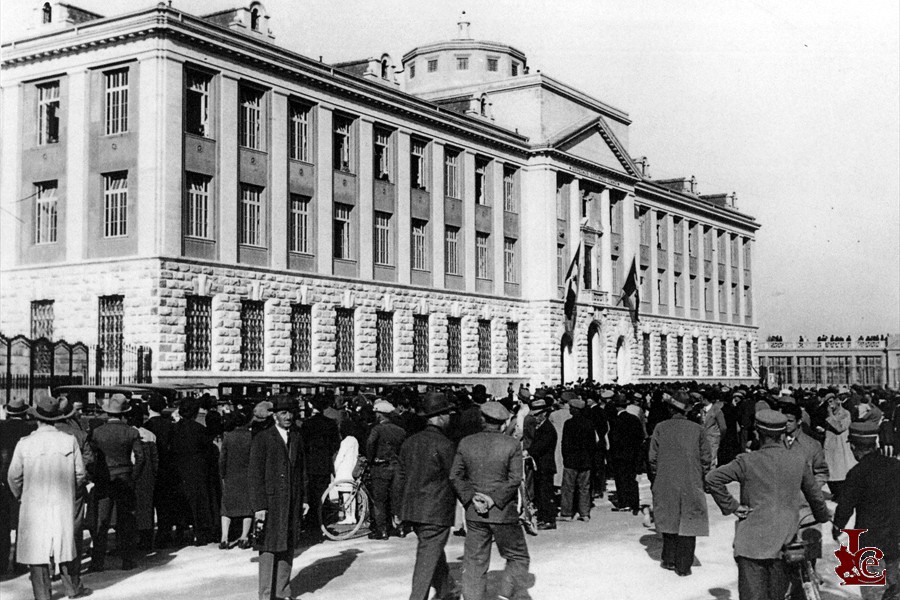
{"x": 184, "y": 183}
{"x": 869, "y": 360}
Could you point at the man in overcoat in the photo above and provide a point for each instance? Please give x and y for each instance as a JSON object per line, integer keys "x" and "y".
{"x": 543, "y": 452}
{"x": 427, "y": 498}
{"x": 321, "y": 441}
{"x": 713, "y": 423}
{"x": 486, "y": 475}
{"x": 383, "y": 452}
{"x": 278, "y": 483}
{"x": 626, "y": 440}
{"x": 167, "y": 498}
{"x": 579, "y": 446}
{"x": 12, "y": 429}
{"x": 679, "y": 458}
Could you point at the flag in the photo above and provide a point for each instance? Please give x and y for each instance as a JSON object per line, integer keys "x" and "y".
{"x": 631, "y": 291}
{"x": 573, "y": 276}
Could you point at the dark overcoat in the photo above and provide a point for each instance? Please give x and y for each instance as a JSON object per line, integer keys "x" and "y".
{"x": 872, "y": 490}
{"x": 321, "y": 441}
{"x": 278, "y": 483}
{"x": 543, "y": 448}
{"x": 579, "y": 442}
{"x": 679, "y": 458}
{"x": 190, "y": 452}
{"x": 626, "y": 439}
{"x": 491, "y": 463}
{"x": 234, "y": 469}
{"x": 426, "y": 494}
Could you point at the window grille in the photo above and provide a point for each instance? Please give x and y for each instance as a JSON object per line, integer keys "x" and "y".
{"x": 432, "y": 65}
{"x": 492, "y": 64}
{"x": 299, "y": 225}
{"x": 115, "y": 205}
{"x": 482, "y": 256}
{"x": 110, "y": 330}
{"x": 252, "y": 335}
{"x": 481, "y": 182}
{"x": 451, "y": 174}
{"x": 419, "y": 256}
{"x": 341, "y": 142}
{"x": 384, "y": 342}
{"x": 341, "y": 236}
{"x": 750, "y": 360}
{"x": 251, "y": 216}
{"x": 301, "y": 337}
{"x": 663, "y": 355}
{"x": 198, "y": 333}
{"x": 588, "y": 269}
{"x": 382, "y": 238}
{"x": 709, "y": 357}
{"x": 198, "y": 214}
{"x": 462, "y": 63}
{"x": 679, "y": 354}
{"x": 512, "y": 347}
{"x": 382, "y": 154}
{"x": 484, "y": 346}
{"x": 510, "y": 195}
{"x": 735, "y": 359}
{"x": 509, "y": 261}
{"x": 417, "y": 165}
{"x": 646, "y": 348}
{"x": 45, "y": 213}
{"x": 723, "y": 357}
{"x": 695, "y": 357}
{"x": 250, "y": 118}
{"x": 343, "y": 351}
{"x": 116, "y": 101}
{"x": 451, "y": 251}
{"x": 42, "y": 319}
{"x": 420, "y": 344}
{"x": 196, "y": 104}
{"x": 300, "y": 137}
{"x": 454, "y": 345}
{"x": 616, "y": 283}
{"x": 48, "y": 113}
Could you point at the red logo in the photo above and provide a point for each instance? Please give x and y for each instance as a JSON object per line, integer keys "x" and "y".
{"x": 854, "y": 563}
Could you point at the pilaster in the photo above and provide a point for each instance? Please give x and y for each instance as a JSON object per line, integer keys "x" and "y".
{"x": 402, "y": 218}
{"x": 278, "y": 194}
{"x": 228, "y": 169}
{"x": 324, "y": 190}
{"x": 365, "y": 177}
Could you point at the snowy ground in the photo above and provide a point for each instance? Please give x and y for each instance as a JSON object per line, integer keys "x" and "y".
{"x": 613, "y": 556}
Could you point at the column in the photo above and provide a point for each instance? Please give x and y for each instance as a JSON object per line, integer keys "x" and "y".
{"x": 538, "y": 224}
{"x": 605, "y": 255}
{"x": 278, "y": 188}
{"x": 437, "y": 214}
{"x": 701, "y": 270}
{"x": 77, "y": 128}
{"x": 324, "y": 190}
{"x": 670, "y": 263}
{"x": 575, "y": 223}
{"x": 654, "y": 262}
{"x": 228, "y": 170}
{"x": 402, "y": 214}
{"x": 739, "y": 260}
{"x": 150, "y": 167}
{"x": 714, "y": 276}
{"x": 630, "y": 236}
{"x": 364, "y": 183}
{"x": 468, "y": 210}
{"x": 496, "y": 183}
{"x": 686, "y": 268}
{"x": 729, "y": 302}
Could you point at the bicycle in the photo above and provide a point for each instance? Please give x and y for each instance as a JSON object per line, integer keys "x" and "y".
{"x": 801, "y": 569}
{"x": 344, "y": 508}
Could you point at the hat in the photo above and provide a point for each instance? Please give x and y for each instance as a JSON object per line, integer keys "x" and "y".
{"x": 679, "y": 403}
{"x": 568, "y": 396}
{"x": 479, "y": 393}
{"x": 262, "y": 411}
{"x": 46, "y": 408}
{"x": 786, "y": 392}
{"x": 17, "y": 406}
{"x": 620, "y": 401}
{"x": 540, "y": 393}
{"x": 695, "y": 396}
{"x": 384, "y": 407}
{"x": 494, "y": 412}
{"x": 66, "y": 407}
{"x": 737, "y": 393}
{"x": 156, "y": 403}
{"x": 830, "y": 395}
{"x": 117, "y": 404}
{"x": 539, "y": 405}
{"x": 282, "y": 402}
{"x": 524, "y": 394}
{"x": 843, "y": 391}
{"x": 577, "y": 403}
{"x": 863, "y": 432}
{"x": 433, "y": 404}
{"x": 607, "y": 394}
{"x": 332, "y": 413}
{"x": 770, "y": 421}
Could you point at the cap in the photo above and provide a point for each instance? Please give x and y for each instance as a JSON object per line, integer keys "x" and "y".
{"x": 607, "y": 394}
{"x": 577, "y": 403}
{"x": 433, "y": 404}
{"x": 620, "y": 401}
{"x": 863, "y": 432}
{"x": 786, "y": 392}
{"x": 494, "y": 412}
{"x": 539, "y": 405}
{"x": 383, "y": 406}
{"x": 770, "y": 420}
{"x": 262, "y": 410}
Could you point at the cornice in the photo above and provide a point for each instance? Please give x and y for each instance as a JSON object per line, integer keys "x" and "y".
{"x": 694, "y": 205}
{"x": 463, "y": 44}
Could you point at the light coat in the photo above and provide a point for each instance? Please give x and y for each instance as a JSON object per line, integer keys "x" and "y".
{"x": 837, "y": 445}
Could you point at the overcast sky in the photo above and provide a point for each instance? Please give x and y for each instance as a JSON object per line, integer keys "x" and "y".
{"x": 793, "y": 105}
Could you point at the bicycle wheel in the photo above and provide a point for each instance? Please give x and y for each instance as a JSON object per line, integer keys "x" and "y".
{"x": 811, "y": 583}
{"x": 344, "y": 509}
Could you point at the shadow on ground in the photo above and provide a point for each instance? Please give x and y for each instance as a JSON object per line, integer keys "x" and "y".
{"x": 493, "y": 583}
{"x": 319, "y": 574}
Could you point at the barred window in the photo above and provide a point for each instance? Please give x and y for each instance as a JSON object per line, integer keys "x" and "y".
{"x": 482, "y": 256}
{"x": 709, "y": 357}
{"x": 432, "y": 65}
{"x": 381, "y": 155}
{"x": 45, "y": 213}
{"x": 382, "y": 238}
{"x": 419, "y": 245}
{"x": 341, "y": 238}
{"x": 492, "y": 64}
{"x": 251, "y": 233}
{"x": 646, "y": 347}
{"x": 512, "y": 347}
{"x": 48, "y": 112}
{"x": 510, "y": 193}
{"x": 384, "y": 342}
{"x": 695, "y": 357}
{"x": 250, "y": 118}
{"x": 750, "y": 359}
{"x": 299, "y": 234}
{"x": 343, "y": 351}
{"x": 462, "y": 63}
{"x": 679, "y": 354}
{"x": 481, "y": 183}
{"x": 198, "y": 333}
{"x": 42, "y": 319}
{"x": 510, "y": 272}
{"x": 451, "y": 174}
{"x": 116, "y": 83}
{"x": 252, "y": 335}
{"x": 198, "y": 206}
{"x": 300, "y": 136}
{"x": 418, "y": 170}
{"x": 110, "y": 333}
{"x": 341, "y": 143}
{"x": 454, "y": 345}
{"x": 735, "y": 359}
{"x": 420, "y": 343}
{"x": 484, "y": 346}
{"x": 301, "y": 337}
{"x": 723, "y": 359}
{"x": 115, "y": 204}
{"x": 451, "y": 251}
{"x": 196, "y": 103}
{"x": 663, "y": 355}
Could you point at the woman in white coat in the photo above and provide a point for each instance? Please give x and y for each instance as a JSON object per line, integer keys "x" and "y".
{"x": 344, "y": 464}
{"x": 837, "y": 445}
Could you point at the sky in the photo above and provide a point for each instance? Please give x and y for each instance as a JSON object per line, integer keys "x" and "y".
{"x": 795, "y": 106}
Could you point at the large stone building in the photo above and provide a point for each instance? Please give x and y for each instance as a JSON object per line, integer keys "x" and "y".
{"x": 185, "y": 183}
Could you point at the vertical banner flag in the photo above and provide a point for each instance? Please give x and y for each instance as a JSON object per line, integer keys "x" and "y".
{"x": 573, "y": 277}
{"x": 631, "y": 291}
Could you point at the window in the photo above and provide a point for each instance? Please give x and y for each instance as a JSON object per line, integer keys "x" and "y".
{"x": 451, "y": 174}
{"x": 749, "y": 363}
{"x": 451, "y": 251}
{"x": 510, "y": 193}
{"x": 868, "y": 370}
{"x": 418, "y": 250}
{"x": 454, "y": 345}
{"x": 585, "y": 204}
{"x": 481, "y": 184}
{"x": 661, "y": 288}
{"x": 510, "y": 272}
{"x": 809, "y": 371}
{"x": 512, "y": 347}
{"x": 721, "y": 294}
{"x": 735, "y": 359}
{"x": 748, "y": 302}
{"x": 709, "y": 357}
{"x": 723, "y": 359}
{"x": 661, "y": 232}
{"x": 837, "y": 369}
{"x": 707, "y": 244}
{"x": 616, "y": 282}
{"x": 110, "y": 332}
{"x": 251, "y": 233}
{"x": 250, "y": 118}
{"x": 115, "y": 205}
{"x": 198, "y": 206}
{"x": 663, "y": 354}
{"x": 695, "y": 357}
{"x": 420, "y": 343}
{"x": 341, "y": 236}
{"x": 417, "y": 164}
{"x": 695, "y": 293}
{"x": 343, "y": 350}
{"x": 747, "y": 253}
{"x": 300, "y": 134}
{"x": 735, "y": 307}
{"x": 482, "y": 256}
{"x": 462, "y": 63}
{"x": 492, "y": 64}
{"x": 615, "y": 217}
{"x": 432, "y": 65}
{"x": 514, "y": 69}
{"x": 45, "y": 213}
{"x": 252, "y": 335}
{"x": 692, "y": 241}
{"x": 341, "y": 142}
{"x": 42, "y": 319}
{"x": 588, "y": 269}
{"x": 299, "y": 230}
{"x": 46, "y": 13}
{"x": 382, "y": 238}
{"x": 707, "y": 301}
{"x": 254, "y": 19}
{"x": 301, "y": 337}
{"x": 645, "y": 285}
{"x": 382, "y": 154}
{"x": 384, "y": 342}
{"x": 484, "y": 346}
{"x": 677, "y": 290}
{"x": 720, "y": 242}
{"x": 116, "y": 85}
{"x": 48, "y": 112}
{"x": 644, "y": 225}
{"x": 678, "y": 236}
{"x": 560, "y": 265}
{"x": 412, "y": 71}
{"x": 198, "y": 333}
{"x": 679, "y": 354}
{"x": 196, "y": 103}
{"x": 645, "y": 338}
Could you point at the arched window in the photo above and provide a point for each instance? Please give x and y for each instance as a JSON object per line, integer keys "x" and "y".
{"x": 384, "y": 69}
{"x": 47, "y": 13}
{"x": 254, "y": 19}
{"x": 482, "y": 106}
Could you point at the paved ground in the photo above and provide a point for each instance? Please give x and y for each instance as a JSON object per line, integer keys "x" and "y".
{"x": 613, "y": 557}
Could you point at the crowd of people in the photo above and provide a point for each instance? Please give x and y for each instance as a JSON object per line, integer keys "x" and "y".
{"x": 450, "y": 460}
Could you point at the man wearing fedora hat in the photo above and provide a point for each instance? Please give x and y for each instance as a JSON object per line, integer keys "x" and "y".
{"x": 427, "y": 500}
{"x": 12, "y": 429}
{"x": 45, "y": 475}
{"x": 383, "y": 453}
{"x": 543, "y": 452}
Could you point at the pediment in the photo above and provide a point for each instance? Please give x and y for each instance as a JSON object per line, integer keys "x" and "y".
{"x": 594, "y": 142}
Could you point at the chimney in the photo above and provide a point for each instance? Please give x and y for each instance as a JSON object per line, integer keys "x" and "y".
{"x": 643, "y": 165}
{"x": 463, "y": 27}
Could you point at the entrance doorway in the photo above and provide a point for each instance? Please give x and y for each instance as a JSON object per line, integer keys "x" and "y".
{"x": 567, "y": 359}
{"x": 595, "y": 354}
